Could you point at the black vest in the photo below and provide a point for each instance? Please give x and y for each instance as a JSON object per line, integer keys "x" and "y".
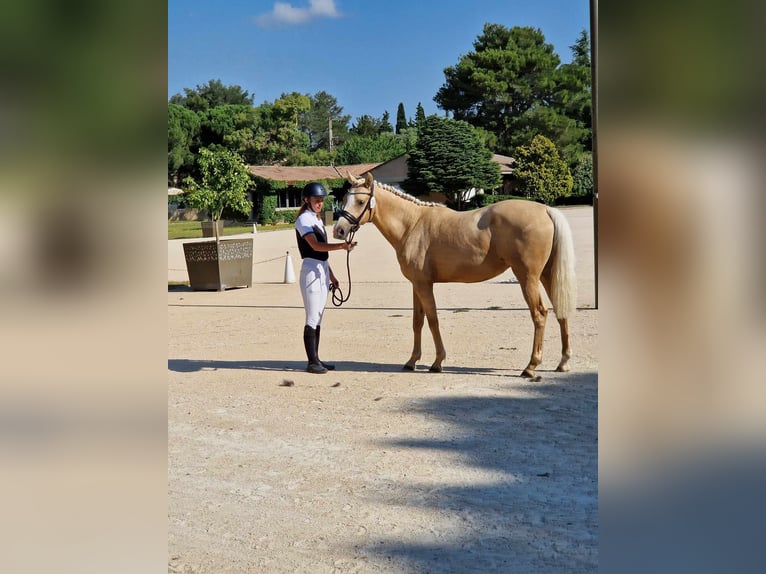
{"x": 305, "y": 248}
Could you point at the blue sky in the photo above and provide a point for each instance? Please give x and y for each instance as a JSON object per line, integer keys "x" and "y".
{"x": 369, "y": 55}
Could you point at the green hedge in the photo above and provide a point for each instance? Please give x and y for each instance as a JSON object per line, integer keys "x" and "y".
{"x": 271, "y": 186}
{"x": 288, "y": 215}
{"x": 267, "y": 199}
{"x": 269, "y": 213}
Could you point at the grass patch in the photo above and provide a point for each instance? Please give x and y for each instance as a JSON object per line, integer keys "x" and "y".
{"x": 193, "y": 229}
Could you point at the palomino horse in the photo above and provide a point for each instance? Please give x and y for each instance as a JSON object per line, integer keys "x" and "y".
{"x": 435, "y": 244}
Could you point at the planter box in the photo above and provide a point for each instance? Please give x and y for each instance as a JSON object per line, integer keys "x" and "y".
{"x": 327, "y": 217}
{"x": 209, "y": 231}
{"x": 219, "y": 267}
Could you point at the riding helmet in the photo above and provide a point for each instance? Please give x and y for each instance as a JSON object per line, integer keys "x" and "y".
{"x": 314, "y": 189}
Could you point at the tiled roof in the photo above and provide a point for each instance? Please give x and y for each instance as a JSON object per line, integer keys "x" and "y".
{"x": 309, "y": 172}
{"x": 506, "y": 162}
{"x": 312, "y": 173}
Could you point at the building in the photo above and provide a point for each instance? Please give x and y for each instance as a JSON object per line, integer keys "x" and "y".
{"x": 295, "y": 177}
{"x": 392, "y": 172}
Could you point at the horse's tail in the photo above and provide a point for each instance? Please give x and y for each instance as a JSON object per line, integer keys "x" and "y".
{"x": 563, "y": 284}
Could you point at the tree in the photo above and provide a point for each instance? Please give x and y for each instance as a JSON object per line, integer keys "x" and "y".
{"x": 366, "y": 126}
{"x": 385, "y": 124}
{"x": 572, "y": 97}
{"x": 565, "y": 132}
{"x": 183, "y": 129}
{"x": 315, "y": 121}
{"x": 370, "y": 149}
{"x": 224, "y": 179}
{"x": 408, "y": 137}
{"x": 449, "y": 158}
{"x": 401, "y": 119}
{"x": 582, "y": 176}
{"x": 540, "y": 173}
{"x": 283, "y": 141}
{"x": 211, "y": 95}
{"x": 509, "y": 73}
{"x": 420, "y": 114}
{"x": 235, "y": 127}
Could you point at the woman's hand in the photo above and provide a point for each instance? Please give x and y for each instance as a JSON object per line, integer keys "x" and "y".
{"x": 333, "y": 280}
{"x": 348, "y": 246}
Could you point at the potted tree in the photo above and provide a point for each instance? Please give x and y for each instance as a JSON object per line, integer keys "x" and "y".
{"x": 219, "y": 264}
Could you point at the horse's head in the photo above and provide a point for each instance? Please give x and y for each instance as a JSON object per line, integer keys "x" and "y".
{"x": 358, "y": 206}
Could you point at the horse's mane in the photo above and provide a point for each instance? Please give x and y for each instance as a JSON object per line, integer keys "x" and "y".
{"x": 406, "y": 196}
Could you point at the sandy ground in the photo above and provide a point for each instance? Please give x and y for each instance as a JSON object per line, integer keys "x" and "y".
{"x": 370, "y": 468}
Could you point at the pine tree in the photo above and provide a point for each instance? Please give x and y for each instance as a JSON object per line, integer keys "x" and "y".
{"x": 450, "y": 158}
{"x": 385, "y": 124}
{"x": 401, "y": 119}
{"x": 420, "y": 114}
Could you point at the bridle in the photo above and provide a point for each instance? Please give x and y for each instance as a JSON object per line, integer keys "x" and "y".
{"x": 356, "y": 222}
{"x": 337, "y": 294}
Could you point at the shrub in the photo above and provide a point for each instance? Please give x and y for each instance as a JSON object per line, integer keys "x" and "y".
{"x": 288, "y": 215}
{"x": 541, "y": 173}
{"x": 582, "y": 176}
{"x": 269, "y": 209}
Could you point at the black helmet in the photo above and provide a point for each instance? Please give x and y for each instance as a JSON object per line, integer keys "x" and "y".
{"x": 314, "y": 189}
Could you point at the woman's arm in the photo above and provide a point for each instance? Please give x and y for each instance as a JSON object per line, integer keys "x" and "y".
{"x": 317, "y": 246}
{"x": 333, "y": 279}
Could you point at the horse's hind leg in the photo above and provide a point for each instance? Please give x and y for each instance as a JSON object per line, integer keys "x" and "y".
{"x": 566, "y": 352}
{"x": 530, "y": 287}
{"x": 417, "y": 329}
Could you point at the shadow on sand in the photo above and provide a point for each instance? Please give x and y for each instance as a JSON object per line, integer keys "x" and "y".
{"x": 540, "y": 514}
{"x": 194, "y": 365}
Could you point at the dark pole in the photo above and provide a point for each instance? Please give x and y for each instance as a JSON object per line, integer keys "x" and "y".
{"x": 594, "y": 128}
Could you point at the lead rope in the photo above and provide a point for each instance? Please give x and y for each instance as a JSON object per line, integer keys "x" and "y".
{"x": 337, "y": 292}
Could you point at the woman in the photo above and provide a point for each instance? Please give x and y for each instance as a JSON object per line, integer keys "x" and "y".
{"x": 316, "y": 275}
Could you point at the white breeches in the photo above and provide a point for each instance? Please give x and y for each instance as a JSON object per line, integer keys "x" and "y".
{"x": 315, "y": 283}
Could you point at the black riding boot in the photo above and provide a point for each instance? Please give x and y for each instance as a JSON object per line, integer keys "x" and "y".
{"x": 310, "y": 343}
{"x": 328, "y": 366}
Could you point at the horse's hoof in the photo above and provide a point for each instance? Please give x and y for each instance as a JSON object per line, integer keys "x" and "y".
{"x": 562, "y": 369}
{"x": 436, "y": 369}
{"x": 527, "y": 374}
{"x": 408, "y": 367}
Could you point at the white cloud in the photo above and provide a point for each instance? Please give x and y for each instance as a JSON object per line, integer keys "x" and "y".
{"x": 286, "y": 13}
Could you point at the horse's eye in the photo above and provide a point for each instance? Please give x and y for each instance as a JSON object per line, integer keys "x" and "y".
{"x": 360, "y": 202}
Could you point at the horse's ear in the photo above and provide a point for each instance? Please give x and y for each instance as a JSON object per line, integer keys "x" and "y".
{"x": 350, "y": 178}
{"x": 368, "y": 180}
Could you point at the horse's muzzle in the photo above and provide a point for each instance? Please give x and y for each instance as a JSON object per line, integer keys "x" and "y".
{"x": 344, "y": 226}
{"x": 338, "y": 233}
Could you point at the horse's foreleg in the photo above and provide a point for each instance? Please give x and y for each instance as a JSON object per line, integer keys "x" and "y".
{"x": 566, "y": 352}
{"x": 417, "y": 329}
{"x": 427, "y": 300}
{"x": 531, "y": 289}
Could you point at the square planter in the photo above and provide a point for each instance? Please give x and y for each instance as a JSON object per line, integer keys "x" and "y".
{"x": 208, "y": 229}
{"x": 219, "y": 267}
